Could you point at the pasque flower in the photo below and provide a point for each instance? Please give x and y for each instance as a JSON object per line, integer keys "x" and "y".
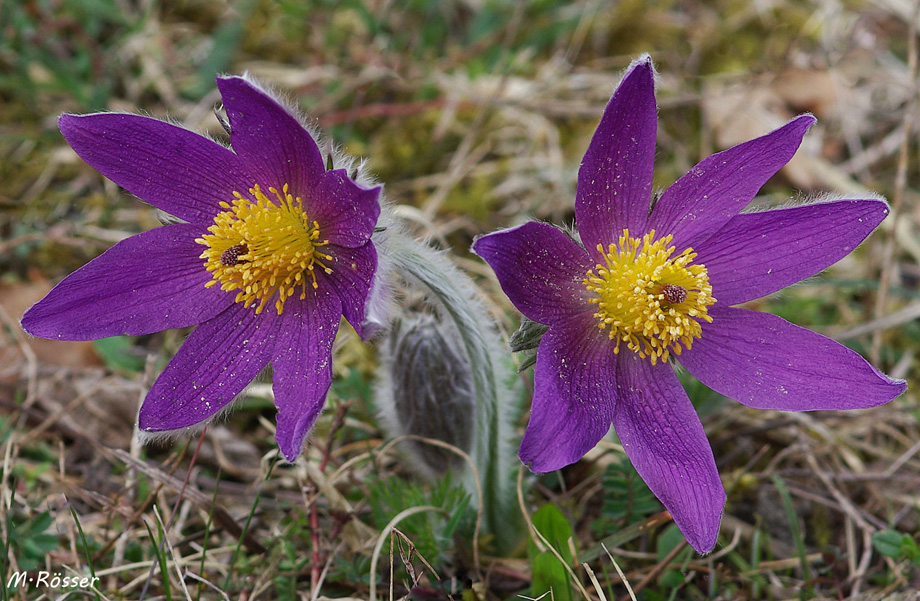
{"x": 653, "y": 283}
{"x": 274, "y": 249}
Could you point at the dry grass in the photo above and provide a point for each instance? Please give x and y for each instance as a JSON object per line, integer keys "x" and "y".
{"x": 475, "y": 115}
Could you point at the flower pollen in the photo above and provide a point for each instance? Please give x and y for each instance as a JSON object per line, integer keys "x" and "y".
{"x": 649, "y": 300}
{"x": 262, "y": 247}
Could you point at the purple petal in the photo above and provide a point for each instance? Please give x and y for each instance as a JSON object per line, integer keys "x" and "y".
{"x": 665, "y": 441}
{"x": 540, "y": 268}
{"x": 765, "y": 362}
{"x": 615, "y": 178}
{"x": 346, "y": 212}
{"x": 174, "y": 169}
{"x": 217, "y": 361}
{"x": 574, "y": 395}
{"x": 352, "y": 274}
{"x": 756, "y": 254}
{"x": 718, "y": 187}
{"x": 269, "y": 139}
{"x": 146, "y": 283}
{"x": 302, "y": 365}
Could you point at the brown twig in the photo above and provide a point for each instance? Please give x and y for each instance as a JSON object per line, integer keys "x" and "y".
{"x": 199, "y": 499}
{"x": 660, "y": 567}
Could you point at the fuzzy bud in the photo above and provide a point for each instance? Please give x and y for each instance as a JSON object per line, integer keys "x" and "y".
{"x": 427, "y": 390}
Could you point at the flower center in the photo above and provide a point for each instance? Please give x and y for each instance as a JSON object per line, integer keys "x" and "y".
{"x": 649, "y": 300}
{"x": 264, "y": 246}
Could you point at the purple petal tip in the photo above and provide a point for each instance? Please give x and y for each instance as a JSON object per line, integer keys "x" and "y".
{"x": 151, "y": 419}
{"x": 66, "y": 124}
{"x": 643, "y": 68}
{"x": 806, "y": 119}
{"x": 644, "y": 61}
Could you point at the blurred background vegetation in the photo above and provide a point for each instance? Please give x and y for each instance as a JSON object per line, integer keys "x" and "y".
{"x": 474, "y": 114}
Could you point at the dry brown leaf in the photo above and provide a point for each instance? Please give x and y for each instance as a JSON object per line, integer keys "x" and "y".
{"x": 16, "y": 299}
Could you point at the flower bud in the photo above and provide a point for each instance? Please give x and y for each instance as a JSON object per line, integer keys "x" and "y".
{"x": 426, "y": 389}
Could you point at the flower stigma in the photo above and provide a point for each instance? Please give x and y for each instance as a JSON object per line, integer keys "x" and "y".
{"x": 650, "y": 300}
{"x": 264, "y": 246}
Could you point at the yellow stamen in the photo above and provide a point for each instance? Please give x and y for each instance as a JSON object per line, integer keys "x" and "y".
{"x": 264, "y": 246}
{"x": 649, "y": 300}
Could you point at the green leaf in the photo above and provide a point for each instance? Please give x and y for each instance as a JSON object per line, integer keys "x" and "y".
{"x": 456, "y": 517}
{"x": 888, "y": 543}
{"x": 671, "y": 579}
{"x": 797, "y": 535}
{"x": 627, "y": 499}
{"x": 431, "y": 533}
{"x": 894, "y": 544}
{"x": 30, "y": 542}
{"x": 119, "y": 352}
{"x": 547, "y": 572}
{"x": 668, "y": 541}
{"x": 548, "y": 575}
{"x": 157, "y": 548}
{"x": 550, "y": 522}
{"x": 86, "y": 549}
{"x": 40, "y": 523}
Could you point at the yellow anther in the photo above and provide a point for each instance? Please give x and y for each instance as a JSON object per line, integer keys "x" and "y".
{"x": 262, "y": 247}
{"x": 647, "y": 298}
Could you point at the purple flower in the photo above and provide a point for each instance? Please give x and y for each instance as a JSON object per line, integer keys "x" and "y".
{"x": 274, "y": 251}
{"x": 649, "y": 285}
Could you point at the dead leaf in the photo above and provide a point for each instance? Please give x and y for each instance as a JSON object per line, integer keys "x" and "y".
{"x": 15, "y": 300}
